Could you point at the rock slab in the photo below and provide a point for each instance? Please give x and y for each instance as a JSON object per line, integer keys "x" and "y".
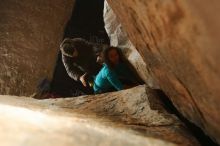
{"x": 129, "y": 117}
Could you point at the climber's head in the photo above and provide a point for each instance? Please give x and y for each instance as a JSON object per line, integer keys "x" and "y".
{"x": 112, "y": 56}
{"x": 68, "y": 48}
{"x": 73, "y": 47}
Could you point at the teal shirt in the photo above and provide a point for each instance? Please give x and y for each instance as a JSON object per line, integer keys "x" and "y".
{"x": 109, "y": 79}
{"x": 106, "y": 79}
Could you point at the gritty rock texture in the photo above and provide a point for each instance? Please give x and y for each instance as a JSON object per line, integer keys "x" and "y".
{"x": 130, "y": 117}
{"x": 52, "y": 130}
{"x": 30, "y": 34}
{"x": 179, "y": 41}
{"x": 118, "y": 38}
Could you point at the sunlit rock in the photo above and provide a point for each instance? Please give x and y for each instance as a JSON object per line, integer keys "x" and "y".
{"x": 130, "y": 117}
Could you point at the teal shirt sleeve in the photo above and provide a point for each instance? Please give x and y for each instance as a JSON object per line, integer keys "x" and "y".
{"x": 113, "y": 79}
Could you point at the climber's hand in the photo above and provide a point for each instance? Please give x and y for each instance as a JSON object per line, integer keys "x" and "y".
{"x": 83, "y": 80}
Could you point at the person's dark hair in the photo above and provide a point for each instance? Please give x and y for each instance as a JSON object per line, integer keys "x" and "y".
{"x": 66, "y": 47}
{"x": 68, "y": 44}
{"x": 106, "y": 58}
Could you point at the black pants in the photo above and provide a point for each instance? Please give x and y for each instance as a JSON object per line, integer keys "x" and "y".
{"x": 71, "y": 89}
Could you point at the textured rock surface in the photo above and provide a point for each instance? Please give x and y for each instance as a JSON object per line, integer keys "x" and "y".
{"x": 179, "y": 41}
{"x": 30, "y": 33}
{"x": 129, "y": 117}
{"x": 118, "y": 37}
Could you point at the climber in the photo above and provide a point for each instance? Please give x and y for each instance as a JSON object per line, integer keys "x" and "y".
{"x": 114, "y": 75}
{"x": 79, "y": 58}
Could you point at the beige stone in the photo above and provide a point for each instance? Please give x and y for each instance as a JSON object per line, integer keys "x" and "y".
{"x": 179, "y": 42}
{"x": 30, "y": 34}
{"x": 130, "y": 117}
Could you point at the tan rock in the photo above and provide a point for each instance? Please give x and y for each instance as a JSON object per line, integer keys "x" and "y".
{"x": 30, "y": 35}
{"x": 179, "y": 42}
{"x": 118, "y": 38}
{"x": 129, "y": 117}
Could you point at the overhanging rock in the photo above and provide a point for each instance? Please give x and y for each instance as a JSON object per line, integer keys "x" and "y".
{"x": 118, "y": 37}
{"x": 179, "y": 42}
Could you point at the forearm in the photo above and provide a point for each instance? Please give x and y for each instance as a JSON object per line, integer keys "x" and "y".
{"x": 72, "y": 70}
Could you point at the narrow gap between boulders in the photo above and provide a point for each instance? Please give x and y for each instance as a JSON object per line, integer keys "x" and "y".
{"x": 196, "y": 131}
{"x": 87, "y": 22}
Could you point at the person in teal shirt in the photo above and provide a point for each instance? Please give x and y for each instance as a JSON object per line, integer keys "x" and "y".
{"x": 113, "y": 72}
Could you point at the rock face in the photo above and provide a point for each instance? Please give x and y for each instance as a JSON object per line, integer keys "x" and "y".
{"x": 30, "y": 34}
{"x": 129, "y": 117}
{"x": 118, "y": 38}
{"x": 178, "y": 41}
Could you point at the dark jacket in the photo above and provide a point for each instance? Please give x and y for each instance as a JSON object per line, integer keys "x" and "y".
{"x": 85, "y": 62}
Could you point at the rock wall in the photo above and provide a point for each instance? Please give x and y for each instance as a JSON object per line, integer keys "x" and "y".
{"x": 179, "y": 42}
{"x": 118, "y": 37}
{"x": 129, "y": 117}
{"x": 30, "y": 34}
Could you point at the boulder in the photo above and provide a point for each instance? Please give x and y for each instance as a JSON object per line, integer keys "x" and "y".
{"x": 30, "y": 34}
{"x": 118, "y": 37}
{"x": 130, "y": 117}
{"x": 178, "y": 40}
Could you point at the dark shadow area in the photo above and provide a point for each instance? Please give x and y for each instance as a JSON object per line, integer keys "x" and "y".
{"x": 202, "y": 138}
{"x": 86, "y": 22}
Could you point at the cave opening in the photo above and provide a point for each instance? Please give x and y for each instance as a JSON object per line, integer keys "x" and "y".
{"x": 86, "y": 22}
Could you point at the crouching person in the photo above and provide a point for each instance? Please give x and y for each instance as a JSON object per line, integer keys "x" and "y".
{"x": 114, "y": 75}
{"x": 79, "y": 59}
